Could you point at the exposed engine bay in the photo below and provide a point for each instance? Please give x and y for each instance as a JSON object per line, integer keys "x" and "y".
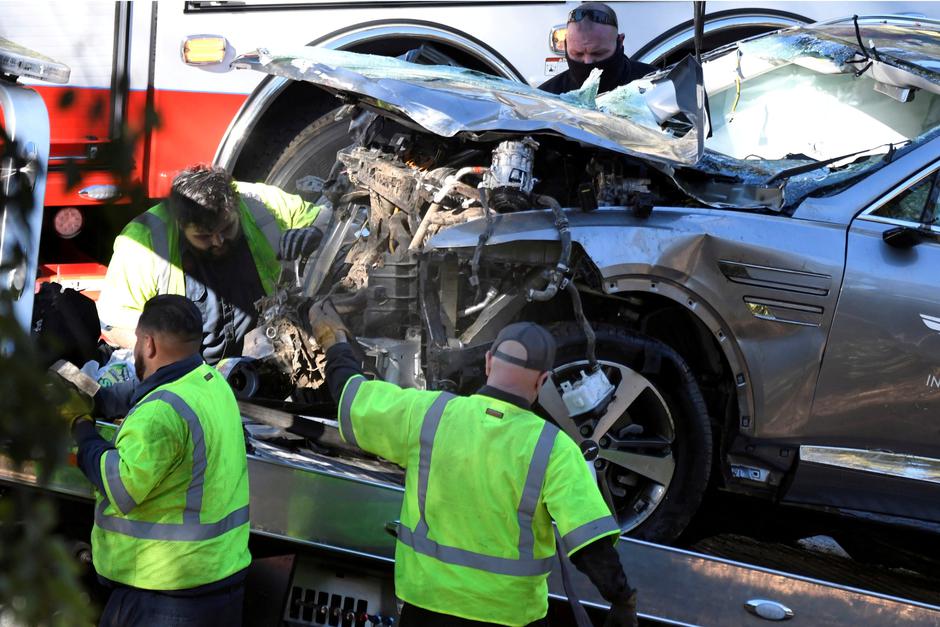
{"x": 424, "y": 316}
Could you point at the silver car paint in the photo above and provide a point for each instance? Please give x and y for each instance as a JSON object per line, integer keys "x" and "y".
{"x": 721, "y": 263}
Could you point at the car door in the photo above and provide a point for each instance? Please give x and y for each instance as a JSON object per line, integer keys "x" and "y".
{"x": 873, "y": 439}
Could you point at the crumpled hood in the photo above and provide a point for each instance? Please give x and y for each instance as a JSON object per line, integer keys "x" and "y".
{"x": 449, "y": 101}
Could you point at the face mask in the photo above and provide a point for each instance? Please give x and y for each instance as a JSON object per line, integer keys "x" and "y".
{"x": 611, "y": 67}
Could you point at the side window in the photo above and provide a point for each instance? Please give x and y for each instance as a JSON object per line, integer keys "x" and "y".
{"x": 917, "y": 204}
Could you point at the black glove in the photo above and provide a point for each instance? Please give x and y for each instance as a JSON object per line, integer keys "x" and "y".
{"x": 299, "y": 243}
{"x": 623, "y": 613}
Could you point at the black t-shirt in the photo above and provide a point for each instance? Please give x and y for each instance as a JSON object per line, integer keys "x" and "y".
{"x": 225, "y": 290}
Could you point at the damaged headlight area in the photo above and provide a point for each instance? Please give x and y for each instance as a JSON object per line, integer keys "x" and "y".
{"x": 424, "y": 315}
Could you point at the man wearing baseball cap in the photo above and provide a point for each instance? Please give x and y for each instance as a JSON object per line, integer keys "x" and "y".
{"x": 485, "y": 477}
{"x": 593, "y": 42}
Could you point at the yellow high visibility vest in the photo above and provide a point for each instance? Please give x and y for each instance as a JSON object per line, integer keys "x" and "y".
{"x": 174, "y": 514}
{"x": 484, "y": 480}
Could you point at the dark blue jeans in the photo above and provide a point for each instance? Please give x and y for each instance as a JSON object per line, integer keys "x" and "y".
{"x": 132, "y": 607}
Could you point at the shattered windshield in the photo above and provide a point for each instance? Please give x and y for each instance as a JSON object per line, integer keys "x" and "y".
{"x": 781, "y": 103}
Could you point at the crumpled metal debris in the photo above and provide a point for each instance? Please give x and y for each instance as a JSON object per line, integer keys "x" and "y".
{"x": 448, "y": 101}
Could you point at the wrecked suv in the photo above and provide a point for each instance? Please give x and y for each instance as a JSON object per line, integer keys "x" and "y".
{"x": 745, "y": 296}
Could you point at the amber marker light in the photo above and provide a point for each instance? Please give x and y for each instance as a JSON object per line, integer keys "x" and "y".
{"x": 203, "y": 49}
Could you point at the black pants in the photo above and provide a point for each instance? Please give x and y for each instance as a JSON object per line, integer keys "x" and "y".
{"x": 133, "y": 607}
{"x": 413, "y": 616}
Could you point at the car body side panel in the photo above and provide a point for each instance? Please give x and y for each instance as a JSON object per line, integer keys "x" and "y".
{"x": 879, "y": 386}
{"x": 770, "y": 282}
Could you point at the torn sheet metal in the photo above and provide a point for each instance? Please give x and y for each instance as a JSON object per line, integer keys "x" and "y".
{"x": 448, "y": 101}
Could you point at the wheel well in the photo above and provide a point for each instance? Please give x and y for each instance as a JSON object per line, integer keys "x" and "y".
{"x": 679, "y": 328}
{"x": 300, "y": 103}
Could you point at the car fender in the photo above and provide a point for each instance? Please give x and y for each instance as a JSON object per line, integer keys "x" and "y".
{"x": 764, "y": 285}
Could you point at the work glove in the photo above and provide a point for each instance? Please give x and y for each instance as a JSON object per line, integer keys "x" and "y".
{"x": 623, "y": 612}
{"x": 74, "y": 391}
{"x": 299, "y": 243}
{"x": 326, "y": 325}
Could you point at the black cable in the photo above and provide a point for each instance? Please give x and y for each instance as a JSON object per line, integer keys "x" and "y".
{"x": 484, "y": 238}
{"x": 699, "y": 17}
{"x": 590, "y": 338}
{"x": 858, "y": 38}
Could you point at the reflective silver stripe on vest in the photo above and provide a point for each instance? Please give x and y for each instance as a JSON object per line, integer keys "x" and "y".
{"x": 168, "y": 531}
{"x": 533, "y": 488}
{"x": 345, "y": 409}
{"x": 461, "y": 557}
{"x": 191, "y": 527}
{"x": 264, "y": 219}
{"x": 588, "y": 531}
{"x": 121, "y": 498}
{"x": 432, "y": 420}
{"x": 160, "y": 245}
{"x": 418, "y": 539}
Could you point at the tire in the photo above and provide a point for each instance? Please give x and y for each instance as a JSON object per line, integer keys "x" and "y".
{"x": 312, "y": 152}
{"x": 653, "y": 499}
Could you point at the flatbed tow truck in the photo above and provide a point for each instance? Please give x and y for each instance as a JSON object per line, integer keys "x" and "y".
{"x": 331, "y": 517}
{"x": 336, "y": 516}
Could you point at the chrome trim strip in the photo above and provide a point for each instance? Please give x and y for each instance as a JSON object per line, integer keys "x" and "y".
{"x": 891, "y": 195}
{"x": 900, "y": 465}
{"x": 741, "y": 264}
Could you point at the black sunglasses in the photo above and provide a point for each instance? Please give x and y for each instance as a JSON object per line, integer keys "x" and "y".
{"x": 595, "y": 15}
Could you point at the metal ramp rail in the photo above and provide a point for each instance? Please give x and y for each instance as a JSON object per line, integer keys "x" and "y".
{"x": 342, "y": 506}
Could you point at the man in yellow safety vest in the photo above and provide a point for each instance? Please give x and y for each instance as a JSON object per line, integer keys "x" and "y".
{"x": 485, "y": 477}
{"x": 170, "y": 536}
{"x": 216, "y": 241}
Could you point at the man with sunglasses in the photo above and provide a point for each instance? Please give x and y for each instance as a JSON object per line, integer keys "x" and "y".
{"x": 592, "y": 42}
{"x": 214, "y": 240}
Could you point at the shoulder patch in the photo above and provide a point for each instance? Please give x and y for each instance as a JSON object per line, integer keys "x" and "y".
{"x": 208, "y": 376}
{"x": 492, "y": 412}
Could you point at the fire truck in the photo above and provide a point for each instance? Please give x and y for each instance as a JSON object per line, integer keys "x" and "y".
{"x": 150, "y": 86}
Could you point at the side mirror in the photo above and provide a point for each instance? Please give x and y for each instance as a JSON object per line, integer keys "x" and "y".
{"x": 906, "y": 236}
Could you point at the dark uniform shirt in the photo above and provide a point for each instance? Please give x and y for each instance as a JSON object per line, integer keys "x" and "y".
{"x": 225, "y": 290}
{"x": 620, "y": 71}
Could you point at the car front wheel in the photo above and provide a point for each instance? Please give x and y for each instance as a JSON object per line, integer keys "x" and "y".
{"x": 650, "y": 445}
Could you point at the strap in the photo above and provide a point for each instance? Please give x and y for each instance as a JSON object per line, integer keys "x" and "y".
{"x": 580, "y": 615}
{"x": 513, "y": 360}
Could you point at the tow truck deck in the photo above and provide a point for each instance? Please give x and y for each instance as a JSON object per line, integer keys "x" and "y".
{"x": 339, "y": 510}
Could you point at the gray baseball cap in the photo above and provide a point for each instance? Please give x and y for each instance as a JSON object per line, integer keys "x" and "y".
{"x": 525, "y": 344}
